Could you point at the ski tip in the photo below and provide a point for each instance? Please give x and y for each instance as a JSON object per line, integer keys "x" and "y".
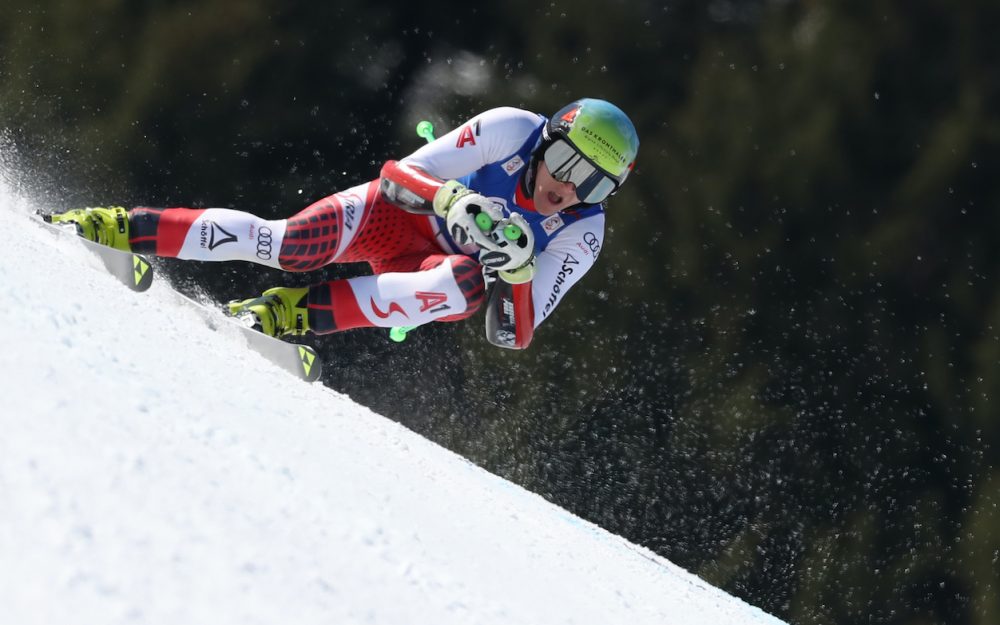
{"x": 142, "y": 273}
{"x": 312, "y": 364}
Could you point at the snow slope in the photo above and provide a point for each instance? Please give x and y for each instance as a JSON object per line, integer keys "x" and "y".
{"x": 160, "y": 473}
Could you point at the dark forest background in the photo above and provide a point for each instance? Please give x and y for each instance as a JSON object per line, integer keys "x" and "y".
{"x": 781, "y": 373}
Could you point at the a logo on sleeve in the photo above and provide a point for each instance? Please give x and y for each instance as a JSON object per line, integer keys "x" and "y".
{"x": 468, "y": 135}
{"x": 552, "y": 224}
{"x": 513, "y": 165}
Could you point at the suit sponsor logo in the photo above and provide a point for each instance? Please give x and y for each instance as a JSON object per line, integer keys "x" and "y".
{"x": 468, "y": 135}
{"x": 264, "y": 235}
{"x": 351, "y": 207}
{"x": 513, "y": 165}
{"x": 393, "y": 307}
{"x": 552, "y": 224}
{"x": 570, "y": 263}
{"x": 213, "y": 235}
{"x": 432, "y": 301}
{"x": 590, "y": 246}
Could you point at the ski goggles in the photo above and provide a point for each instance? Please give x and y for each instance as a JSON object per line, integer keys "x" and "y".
{"x": 566, "y": 164}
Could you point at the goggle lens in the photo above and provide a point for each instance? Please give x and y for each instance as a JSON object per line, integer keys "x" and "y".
{"x": 565, "y": 164}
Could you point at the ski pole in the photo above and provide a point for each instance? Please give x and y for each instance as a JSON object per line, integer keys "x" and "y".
{"x": 398, "y": 334}
{"x": 425, "y": 130}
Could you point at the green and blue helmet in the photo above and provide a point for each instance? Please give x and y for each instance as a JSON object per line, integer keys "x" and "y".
{"x": 593, "y": 144}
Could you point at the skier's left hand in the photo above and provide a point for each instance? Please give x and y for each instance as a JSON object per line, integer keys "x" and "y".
{"x": 449, "y": 193}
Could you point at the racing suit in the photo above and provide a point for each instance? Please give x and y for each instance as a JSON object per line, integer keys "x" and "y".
{"x": 420, "y": 273}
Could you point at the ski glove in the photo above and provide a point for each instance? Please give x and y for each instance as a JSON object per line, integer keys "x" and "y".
{"x": 506, "y": 239}
{"x": 447, "y": 195}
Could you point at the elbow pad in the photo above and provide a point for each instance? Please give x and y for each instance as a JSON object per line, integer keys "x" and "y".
{"x": 409, "y": 188}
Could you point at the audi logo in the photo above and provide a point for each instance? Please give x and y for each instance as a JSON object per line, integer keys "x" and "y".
{"x": 264, "y": 243}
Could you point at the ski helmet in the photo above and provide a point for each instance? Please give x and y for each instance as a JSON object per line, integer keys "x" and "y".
{"x": 593, "y": 144}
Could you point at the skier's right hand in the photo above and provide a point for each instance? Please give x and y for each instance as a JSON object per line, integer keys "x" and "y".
{"x": 505, "y": 240}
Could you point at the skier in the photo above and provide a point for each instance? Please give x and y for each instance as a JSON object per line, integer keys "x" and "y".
{"x": 509, "y": 191}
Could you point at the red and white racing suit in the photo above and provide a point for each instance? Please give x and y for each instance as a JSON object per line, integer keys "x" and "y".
{"x": 420, "y": 274}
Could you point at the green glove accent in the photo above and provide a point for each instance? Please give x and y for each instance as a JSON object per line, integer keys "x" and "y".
{"x": 485, "y": 222}
{"x": 512, "y": 232}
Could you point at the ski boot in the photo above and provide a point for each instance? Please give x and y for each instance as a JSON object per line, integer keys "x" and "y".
{"x": 107, "y": 226}
{"x": 280, "y": 311}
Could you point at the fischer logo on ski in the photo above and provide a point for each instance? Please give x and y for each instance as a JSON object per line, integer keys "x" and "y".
{"x": 308, "y": 357}
{"x": 141, "y": 270}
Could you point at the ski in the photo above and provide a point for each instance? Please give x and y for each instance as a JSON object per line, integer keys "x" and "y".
{"x": 135, "y": 272}
{"x": 301, "y": 361}
{"x": 132, "y": 270}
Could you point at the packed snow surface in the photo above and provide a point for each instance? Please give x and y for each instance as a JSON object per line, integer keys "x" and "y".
{"x": 153, "y": 470}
